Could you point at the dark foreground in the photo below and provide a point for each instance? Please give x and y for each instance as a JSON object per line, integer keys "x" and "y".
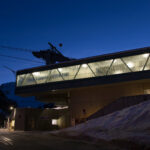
{"x": 41, "y": 141}
{"x": 46, "y": 141}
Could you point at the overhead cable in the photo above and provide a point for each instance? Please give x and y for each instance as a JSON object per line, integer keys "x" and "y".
{"x": 19, "y": 58}
{"x": 18, "y": 49}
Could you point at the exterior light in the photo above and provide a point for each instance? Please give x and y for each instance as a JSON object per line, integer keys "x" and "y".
{"x": 146, "y": 68}
{"x": 13, "y": 123}
{"x": 115, "y": 60}
{"x": 130, "y": 65}
{"x": 84, "y": 65}
{"x": 60, "y": 69}
{"x": 54, "y": 122}
{"x": 61, "y": 107}
{"x": 11, "y": 107}
{"x": 145, "y": 55}
{"x": 53, "y": 90}
{"x": 118, "y": 72}
{"x": 36, "y": 73}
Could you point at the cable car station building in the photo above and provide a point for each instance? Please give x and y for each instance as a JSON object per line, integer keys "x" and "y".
{"x": 84, "y": 86}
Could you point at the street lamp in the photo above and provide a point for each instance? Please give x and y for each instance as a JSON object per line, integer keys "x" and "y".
{"x": 11, "y": 107}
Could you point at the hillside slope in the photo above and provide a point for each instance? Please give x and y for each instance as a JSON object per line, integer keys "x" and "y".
{"x": 22, "y": 102}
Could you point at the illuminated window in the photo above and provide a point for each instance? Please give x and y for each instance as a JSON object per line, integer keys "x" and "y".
{"x": 84, "y": 72}
{"x": 137, "y": 62}
{"x": 68, "y": 73}
{"x": 100, "y": 68}
{"x": 87, "y": 70}
{"x": 60, "y": 69}
{"x": 54, "y": 76}
{"x": 36, "y": 73}
{"x": 29, "y": 79}
{"x": 145, "y": 55}
{"x": 41, "y": 77}
{"x": 130, "y": 64}
{"x": 13, "y": 123}
{"x": 118, "y": 67}
{"x": 60, "y": 107}
{"x": 54, "y": 122}
{"x": 147, "y": 91}
{"x": 20, "y": 79}
{"x": 84, "y": 65}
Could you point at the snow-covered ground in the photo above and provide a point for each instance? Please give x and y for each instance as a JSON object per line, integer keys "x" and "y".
{"x": 132, "y": 123}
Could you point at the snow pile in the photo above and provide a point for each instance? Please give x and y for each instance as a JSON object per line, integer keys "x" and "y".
{"x": 130, "y": 123}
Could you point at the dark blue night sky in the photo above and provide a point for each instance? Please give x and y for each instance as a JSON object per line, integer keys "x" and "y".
{"x": 85, "y": 27}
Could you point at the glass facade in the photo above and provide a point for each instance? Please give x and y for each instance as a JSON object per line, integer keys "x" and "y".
{"x": 88, "y": 70}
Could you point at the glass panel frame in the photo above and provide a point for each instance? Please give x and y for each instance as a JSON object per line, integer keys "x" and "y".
{"x": 41, "y": 76}
{"x": 20, "y": 79}
{"x": 84, "y": 72}
{"x": 54, "y": 76}
{"x": 136, "y": 62}
{"x": 29, "y": 80}
{"x": 121, "y": 65}
{"x": 100, "y": 68}
{"x": 68, "y": 73}
{"x": 118, "y": 67}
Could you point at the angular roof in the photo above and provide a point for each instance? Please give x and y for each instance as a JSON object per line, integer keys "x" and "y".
{"x": 89, "y": 59}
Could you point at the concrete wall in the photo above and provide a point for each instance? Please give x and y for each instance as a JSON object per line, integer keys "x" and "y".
{"x": 120, "y": 104}
{"x": 40, "y": 119}
{"x": 86, "y": 101}
{"x": 20, "y": 119}
{"x": 83, "y": 102}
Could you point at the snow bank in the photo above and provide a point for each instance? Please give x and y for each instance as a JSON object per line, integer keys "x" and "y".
{"x": 132, "y": 123}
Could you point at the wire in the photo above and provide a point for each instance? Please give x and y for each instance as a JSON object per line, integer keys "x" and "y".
{"x": 14, "y": 61}
{"x": 18, "y": 49}
{"x": 19, "y": 58}
{"x": 9, "y": 69}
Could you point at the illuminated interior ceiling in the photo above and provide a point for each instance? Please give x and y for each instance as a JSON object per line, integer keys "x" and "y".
{"x": 60, "y": 107}
{"x": 118, "y": 65}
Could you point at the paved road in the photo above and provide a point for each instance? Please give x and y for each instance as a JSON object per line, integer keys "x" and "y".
{"x": 40, "y": 141}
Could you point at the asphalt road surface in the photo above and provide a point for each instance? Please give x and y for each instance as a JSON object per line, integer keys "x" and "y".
{"x": 40, "y": 141}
